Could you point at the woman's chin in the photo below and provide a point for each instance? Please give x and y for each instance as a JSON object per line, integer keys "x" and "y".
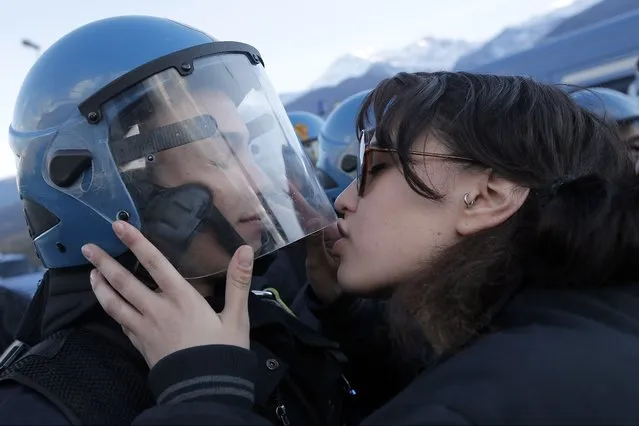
{"x": 351, "y": 282}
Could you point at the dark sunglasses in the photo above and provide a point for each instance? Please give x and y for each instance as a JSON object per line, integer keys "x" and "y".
{"x": 367, "y": 147}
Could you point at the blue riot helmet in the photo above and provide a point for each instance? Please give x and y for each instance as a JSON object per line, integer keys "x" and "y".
{"x": 608, "y": 104}
{"x": 614, "y": 107}
{"x": 150, "y": 121}
{"x": 339, "y": 146}
{"x": 633, "y": 88}
{"x": 307, "y": 128}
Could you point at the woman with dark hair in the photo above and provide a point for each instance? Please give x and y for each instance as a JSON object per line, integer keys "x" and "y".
{"x": 501, "y": 221}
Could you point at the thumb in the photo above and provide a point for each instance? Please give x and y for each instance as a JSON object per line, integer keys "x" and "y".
{"x": 238, "y": 284}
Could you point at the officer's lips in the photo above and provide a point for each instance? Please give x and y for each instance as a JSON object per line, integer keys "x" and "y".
{"x": 251, "y": 226}
{"x": 252, "y": 218}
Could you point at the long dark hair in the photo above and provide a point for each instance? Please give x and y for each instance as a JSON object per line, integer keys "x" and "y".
{"x": 577, "y": 227}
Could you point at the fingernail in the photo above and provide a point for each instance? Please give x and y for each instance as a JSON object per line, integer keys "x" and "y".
{"x": 118, "y": 228}
{"x": 245, "y": 256}
{"x": 92, "y": 275}
{"x": 86, "y": 251}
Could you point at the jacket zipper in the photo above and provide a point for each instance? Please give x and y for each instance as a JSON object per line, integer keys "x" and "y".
{"x": 347, "y": 387}
{"x": 280, "y": 409}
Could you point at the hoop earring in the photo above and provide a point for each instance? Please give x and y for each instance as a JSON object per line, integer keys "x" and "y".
{"x": 469, "y": 203}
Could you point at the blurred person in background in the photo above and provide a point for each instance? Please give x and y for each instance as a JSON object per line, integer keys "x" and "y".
{"x": 307, "y": 128}
{"x": 615, "y": 108}
{"x": 338, "y": 145}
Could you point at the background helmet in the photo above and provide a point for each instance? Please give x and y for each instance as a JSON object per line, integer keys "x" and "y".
{"x": 339, "y": 146}
{"x": 307, "y": 128}
{"x": 608, "y": 104}
{"x": 633, "y": 89}
{"x": 617, "y": 107}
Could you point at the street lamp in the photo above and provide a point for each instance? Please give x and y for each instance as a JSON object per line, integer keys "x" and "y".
{"x": 31, "y": 45}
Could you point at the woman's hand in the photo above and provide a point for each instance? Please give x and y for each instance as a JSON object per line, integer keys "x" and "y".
{"x": 177, "y": 316}
{"x": 321, "y": 266}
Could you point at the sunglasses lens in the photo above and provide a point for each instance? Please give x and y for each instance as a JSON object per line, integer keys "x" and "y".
{"x": 364, "y": 142}
{"x": 360, "y": 162}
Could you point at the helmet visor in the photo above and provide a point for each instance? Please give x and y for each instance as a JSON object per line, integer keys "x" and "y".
{"x": 185, "y": 148}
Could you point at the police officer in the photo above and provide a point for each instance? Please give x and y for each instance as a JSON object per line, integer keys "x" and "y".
{"x": 617, "y": 107}
{"x": 307, "y": 128}
{"x": 149, "y": 121}
{"x": 339, "y": 146}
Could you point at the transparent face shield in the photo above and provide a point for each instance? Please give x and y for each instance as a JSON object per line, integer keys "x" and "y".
{"x": 309, "y": 142}
{"x": 311, "y": 148}
{"x": 212, "y": 162}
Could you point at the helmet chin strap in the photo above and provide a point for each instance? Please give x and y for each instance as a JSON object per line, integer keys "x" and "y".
{"x": 173, "y": 217}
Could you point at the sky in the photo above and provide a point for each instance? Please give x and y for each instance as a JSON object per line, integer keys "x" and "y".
{"x": 298, "y": 40}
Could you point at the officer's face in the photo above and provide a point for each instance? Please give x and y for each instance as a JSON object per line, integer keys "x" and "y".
{"x": 224, "y": 165}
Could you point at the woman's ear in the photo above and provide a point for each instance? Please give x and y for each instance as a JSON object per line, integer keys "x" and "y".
{"x": 493, "y": 202}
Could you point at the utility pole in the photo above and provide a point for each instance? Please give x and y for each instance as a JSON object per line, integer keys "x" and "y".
{"x": 31, "y": 45}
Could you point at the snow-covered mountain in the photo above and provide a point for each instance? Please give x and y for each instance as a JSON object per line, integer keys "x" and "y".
{"x": 431, "y": 53}
{"x": 289, "y": 97}
{"x": 426, "y": 54}
{"x": 360, "y": 70}
{"x": 521, "y": 37}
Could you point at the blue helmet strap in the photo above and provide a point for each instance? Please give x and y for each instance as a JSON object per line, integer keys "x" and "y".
{"x": 147, "y": 144}
{"x": 163, "y": 138}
